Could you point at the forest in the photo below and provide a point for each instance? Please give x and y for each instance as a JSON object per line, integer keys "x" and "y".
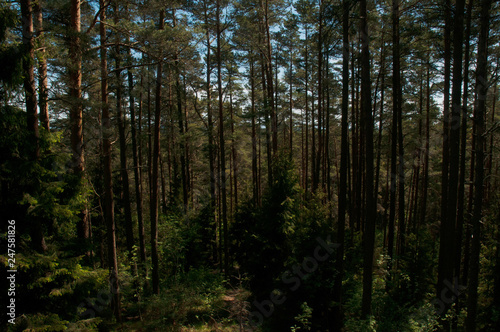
{"x": 250, "y": 165}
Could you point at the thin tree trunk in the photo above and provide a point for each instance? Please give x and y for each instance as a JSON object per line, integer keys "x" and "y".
{"x": 37, "y": 237}
{"x": 317, "y": 164}
{"x": 446, "y": 115}
{"x": 394, "y": 134}
{"x": 463, "y": 146}
{"x": 211, "y": 156}
{"x": 42, "y": 69}
{"x": 479, "y": 121}
{"x": 221, "y": 144}
{"x": 76, "y": 111}
{"x": 306, "y": 173}
{"x": 370, "y": 213}
{"x": 154, "y": 171}
{"x": 108, "y": 176}
{"x": 381, "y": 116}
{"x": 127, "y": 211}
{"x": 425, "y": 180}
{"x": 137, "y": 169}
{"x": 233, "y": 151}
{"x": 399, "y": 111}
{"x": 269, "y": 76}
{"x": 255, "y": 174}
{"x": 344, "y": 157}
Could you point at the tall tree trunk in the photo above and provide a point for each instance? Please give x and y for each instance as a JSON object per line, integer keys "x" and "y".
{"x": 306, "y": 64}
{"x": 425, "y": 177}
{"x": 29, "y": 77}
{"x": 120, "y": 117}
{"x": 76, "y": 110}
{"x": 446, "y": 115}
{"x": 290, "y": 104}
{"x": 222, "y": 143}
{"x": 394, "y": 133}
{"x": 233, "y": 151}
{"x": 398, "y": 93}
{"x": 42, "y": 69}
{"x": 211, "y": 154}
{"x": 37, "y": 238}
{"x": 269, "y": 77}
{"x": 381, "y": 115}
{"x": 154, "y": 171}
{"x": 344, "y": 157}
{"x": 255, "y": 174}
{"x": 137, "y": 167}
{"x": 317, "y": 165}
{"x": 107, "y": 132}
{"x": 489, "y": 165}
{"x": 479, "y": 121}
{"x": 463, "y": 145}
{"x": 448, "y": 226}
{"x": 370, "y": 203}
{"x": 267, "y": 120}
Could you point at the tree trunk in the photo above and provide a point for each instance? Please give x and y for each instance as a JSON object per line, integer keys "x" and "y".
{"x": 269, "y": 77}
{"x": 76, "y": 111}
{"x": 211, "y": 154}
{"x": 233, "y": 152}
{"x": 399, "y": 112}
{"x": 221, "y": 145}
{"x": 42, "y": 69}
{"x": 448, "y": 226}
{"x": 137, "y": 169}
{"x": 463, "y": 146}
{"x": 425, "y": 177}
{"x": 255, "y": 174}
{"x": 127, "y": 211}
{"x": 394, "y": 133}
{"x": 317, "y": 164}
{"x": 479, "y": 117}
{"x": 344, "y": 157}
{"x": 37, "y": 238}
{"x": 446, "y": 116}
{"x": 154, "y": 171}
{"x": 108, "y": 176}
{"x": 370, "y": 205}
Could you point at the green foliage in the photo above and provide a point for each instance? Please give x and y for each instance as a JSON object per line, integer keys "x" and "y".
{"x": 303, "y": 319}
{"x": 11, "y": 53}
{"x": 40, "y": 323}
{"x": 38, "y": 191}
{"x": 55, "y": 283}
{"x": 196, "y": 297}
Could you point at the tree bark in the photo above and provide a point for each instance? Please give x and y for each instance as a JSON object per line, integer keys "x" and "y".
{"x": 211, "y": 154}
{"x": 154, "y": 171}
{"x": 76, "y": 111}
{"x": 479, "y": 120}
{"x": 108, "y": 176}
{"x": 37, "y": 237}
{"x": 222, "y": 144}
{"x": 137, "y": 169}
{"x": 344, "y": 157}
{"x": 463, "y": 144}
{"x": 42, "y": 69}
{"x": 448, "y": 224}
{"x": 120, "y": 117}
{"x": 370, "y": 203}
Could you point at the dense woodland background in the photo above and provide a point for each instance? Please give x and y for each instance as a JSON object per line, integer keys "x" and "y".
{"x": 265, "y": 165}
